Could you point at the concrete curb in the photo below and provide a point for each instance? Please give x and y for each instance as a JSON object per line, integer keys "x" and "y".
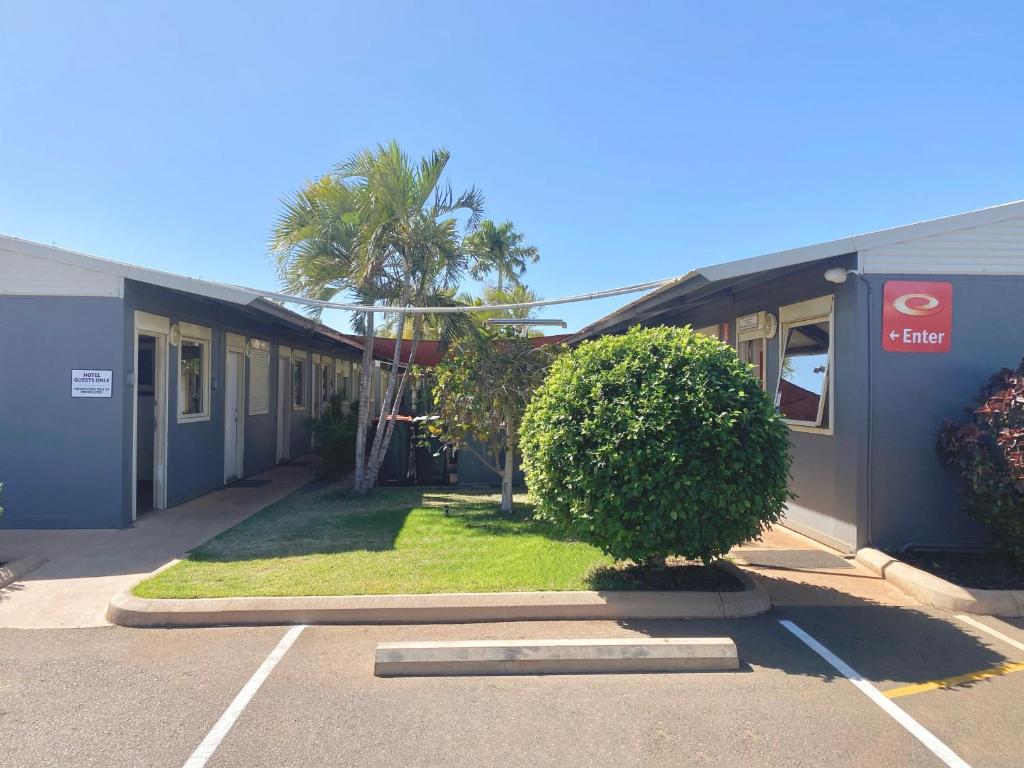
{"x": 18, "y": 569}
{"x": 456, "y": 608}
{"x": 939, "y": 593}
{"x": 556, "y": 657}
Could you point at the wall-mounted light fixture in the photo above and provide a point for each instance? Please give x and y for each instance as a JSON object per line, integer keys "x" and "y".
{"x": 175, "y": 335}
{"x": 838, "y": 275}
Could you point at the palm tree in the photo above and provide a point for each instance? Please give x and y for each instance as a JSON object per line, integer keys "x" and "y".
{"x": 385, "y": 229}
{"x": 499, "y": 249}
{"x": 517, "y": 294}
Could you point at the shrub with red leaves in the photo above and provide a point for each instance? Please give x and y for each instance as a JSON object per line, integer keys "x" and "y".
{"x": 987, "y": 453}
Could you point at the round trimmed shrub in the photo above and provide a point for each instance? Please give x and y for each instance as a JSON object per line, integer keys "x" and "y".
{"x": 655, "y": 443}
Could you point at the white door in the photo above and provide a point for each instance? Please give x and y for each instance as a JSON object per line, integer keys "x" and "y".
{"x": 283, "y": 409}
{"x": 160, "y": 411}
{"x": 158, "y": 327}
{"x": 232, "y": 417}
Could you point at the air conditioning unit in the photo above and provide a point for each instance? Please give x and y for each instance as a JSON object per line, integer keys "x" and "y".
{"x": 759, "y": 325}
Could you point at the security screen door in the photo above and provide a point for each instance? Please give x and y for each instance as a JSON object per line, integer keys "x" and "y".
{"x": 233, "y": 390}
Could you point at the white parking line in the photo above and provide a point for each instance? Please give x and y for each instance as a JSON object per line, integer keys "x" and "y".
{"x": 922, "y": 734}
{"x": 994, "y": 632}
{"x": 220, "y": 729}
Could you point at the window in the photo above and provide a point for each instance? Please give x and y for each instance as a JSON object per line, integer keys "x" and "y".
{"x": 298, "y": 385}
{"x": 325, "y": 384}
{"x": 751, "y": 352}
{"x": 193, "y": 373}
{"x": 341, "y": 379}
{"x": 752, "y": 333}
{"x": 804, "y": 396}
{"x": 259, "y": 377}
{"x": 720, "y": 331}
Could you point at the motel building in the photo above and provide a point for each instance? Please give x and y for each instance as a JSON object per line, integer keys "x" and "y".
{"x": 127, "y": 389}
{"x": 866, "y": 344}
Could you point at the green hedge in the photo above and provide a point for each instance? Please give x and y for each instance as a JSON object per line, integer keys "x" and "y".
{"x": 987, "y": 453}
{"x": 658, "y": 442}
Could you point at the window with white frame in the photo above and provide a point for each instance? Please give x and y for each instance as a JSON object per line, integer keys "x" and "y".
{"x": 259, "y": 377}
{"x": 751, "y": 352}
{"x": 341, "y": 374}
{"x": 325, "y": 382}
{"x": 193, "y": 373}
{"x": 752, "y": 334}
{"x": 298, "y": 383}
{"x": 804, "y": 393}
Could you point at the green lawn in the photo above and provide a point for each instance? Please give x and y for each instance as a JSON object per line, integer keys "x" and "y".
{"x": 402, "y": 540}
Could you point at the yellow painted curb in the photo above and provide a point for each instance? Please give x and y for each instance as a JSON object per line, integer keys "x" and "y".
{"x": 955, "y": 680}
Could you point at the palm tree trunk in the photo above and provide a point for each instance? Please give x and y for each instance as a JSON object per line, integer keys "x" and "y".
{"x": 364, "y": 406}
{"x": 376, "y": 457}
{"x": 395, "y": 406}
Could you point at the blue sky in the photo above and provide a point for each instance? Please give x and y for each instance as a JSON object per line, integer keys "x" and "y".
{"x": 630, "y": 141}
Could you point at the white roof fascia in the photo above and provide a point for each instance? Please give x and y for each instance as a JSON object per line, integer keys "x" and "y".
{"x": 832, "y": 248}
{"x": 931, "y": 227}
{"x": 193, "y": 285}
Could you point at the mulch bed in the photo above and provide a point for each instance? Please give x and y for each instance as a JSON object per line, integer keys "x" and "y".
{"x": 682, "y": 575}
{"x": 978, "y": 570}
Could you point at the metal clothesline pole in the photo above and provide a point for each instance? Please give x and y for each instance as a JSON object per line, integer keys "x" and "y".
{"x": 320, "y": 304}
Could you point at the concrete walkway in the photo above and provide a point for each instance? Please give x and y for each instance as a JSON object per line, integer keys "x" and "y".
{"x": 799, "y": 571}
{"x": 86, "y": 568}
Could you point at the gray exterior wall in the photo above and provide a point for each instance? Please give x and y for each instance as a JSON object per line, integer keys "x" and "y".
{"x": 67, "y": 462}
{"x": 913, "y": 499}
{"x": 60, "y": 457}
{"x": 829, "y": 470}
{"x": 878, "y": 479}
{"x": 195, "y": 454}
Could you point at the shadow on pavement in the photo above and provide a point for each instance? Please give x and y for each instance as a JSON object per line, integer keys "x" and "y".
{"x": 884, "y": 643}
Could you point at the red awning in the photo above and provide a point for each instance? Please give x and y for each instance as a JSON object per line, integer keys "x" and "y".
{"x": 428, "y": 353}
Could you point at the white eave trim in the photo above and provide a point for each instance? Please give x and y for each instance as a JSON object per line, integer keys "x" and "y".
{"x": 855, "y": 244}
{"x": 192, "y": 285}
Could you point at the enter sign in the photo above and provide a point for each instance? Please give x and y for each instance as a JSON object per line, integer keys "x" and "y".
{"x": 917, "y": 316}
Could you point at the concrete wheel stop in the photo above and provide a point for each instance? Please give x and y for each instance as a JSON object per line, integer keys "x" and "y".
{"x": 555, "y": 657}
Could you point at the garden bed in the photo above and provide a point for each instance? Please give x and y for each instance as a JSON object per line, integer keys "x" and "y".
{"x": 680, "y": 575}
{"x": 409, "y": 541}
{"x": 975, "y": 570}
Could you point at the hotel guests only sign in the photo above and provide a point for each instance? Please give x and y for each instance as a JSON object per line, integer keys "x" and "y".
{"x": 917, "y": 316}
{"x": 90, "y": 383}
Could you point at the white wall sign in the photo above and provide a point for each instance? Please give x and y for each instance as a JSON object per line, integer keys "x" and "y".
{"x": 91, "y": 383}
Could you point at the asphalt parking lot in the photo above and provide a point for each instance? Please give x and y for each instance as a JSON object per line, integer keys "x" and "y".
{"x": 118, "y": 697}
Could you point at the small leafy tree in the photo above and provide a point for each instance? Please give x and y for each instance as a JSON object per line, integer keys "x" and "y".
{"x": 987, "y": 453}
{"x": 480, "y": 392}
{"x": 658, "y": 442}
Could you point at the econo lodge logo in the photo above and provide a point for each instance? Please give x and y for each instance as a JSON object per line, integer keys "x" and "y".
{"x": 917, "y": 316}
{"x": 917, "y": 304}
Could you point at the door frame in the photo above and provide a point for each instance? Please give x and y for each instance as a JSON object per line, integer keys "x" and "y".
{"x": 235, "y": 344}
{"x": 159, "y": 327}
{"x": 284, "y": 404}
